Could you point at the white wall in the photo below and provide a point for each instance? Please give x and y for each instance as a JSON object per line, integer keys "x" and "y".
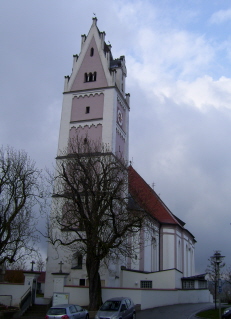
{"x": 14, "y": 290}
{"x": 167, "y": 279}
{"x": 147, "y": 298}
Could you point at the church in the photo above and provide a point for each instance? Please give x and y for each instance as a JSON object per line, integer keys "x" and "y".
{"x": 95, "y": 103}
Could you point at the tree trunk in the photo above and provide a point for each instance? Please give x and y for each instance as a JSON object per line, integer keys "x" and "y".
{"x": 95, "y": 294}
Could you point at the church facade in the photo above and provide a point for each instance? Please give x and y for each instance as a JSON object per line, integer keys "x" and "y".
{"x": 95, "y": 103}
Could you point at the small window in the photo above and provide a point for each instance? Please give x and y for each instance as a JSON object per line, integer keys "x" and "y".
{"x": 85, "y": 141}
{"x": 202, "y": 284}
{"x": 188, "y": 284}
{"x": 92, "y": 52}
{"x": 87, "y": 109}
{"x": 145, "y": 284}
{"x": 82, "y": 282}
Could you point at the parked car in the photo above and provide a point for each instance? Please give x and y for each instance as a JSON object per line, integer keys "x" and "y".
{"x": 227, "y": 313}
{"x": 117, "y": 308}
{"x": 67, "y": 312}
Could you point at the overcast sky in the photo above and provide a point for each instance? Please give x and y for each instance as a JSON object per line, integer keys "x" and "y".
{"x": 178, "y": 56}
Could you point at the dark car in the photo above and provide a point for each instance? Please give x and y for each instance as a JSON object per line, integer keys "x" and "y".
{"x": 67, "y": 312}
{"x": 227, "y": 313}
{"x": 117, "y": 308}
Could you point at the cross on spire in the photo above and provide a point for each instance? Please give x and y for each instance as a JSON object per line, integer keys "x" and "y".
{"x": 32, "y": 265}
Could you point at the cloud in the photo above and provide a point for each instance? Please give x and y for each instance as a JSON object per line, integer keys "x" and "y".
{"x": 220, "y": 16}
{"x": 179, "y": 79}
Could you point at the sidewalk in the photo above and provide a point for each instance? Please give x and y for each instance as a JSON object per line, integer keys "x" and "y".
{"x": 180, "y": 311}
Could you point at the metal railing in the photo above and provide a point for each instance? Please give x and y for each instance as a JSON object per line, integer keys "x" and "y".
{"x": 25, "y": 302}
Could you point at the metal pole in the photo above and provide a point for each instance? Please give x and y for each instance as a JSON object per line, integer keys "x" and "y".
{"x": 219, "y": 290}
{"x": 216, "y": 281}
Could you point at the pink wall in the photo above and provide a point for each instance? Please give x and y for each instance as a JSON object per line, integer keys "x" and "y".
{"x": 90, "y": 64}
{"x": 93, "y": 132}
{"x": 80, "y": 104}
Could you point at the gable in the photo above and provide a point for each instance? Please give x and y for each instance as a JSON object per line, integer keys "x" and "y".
{"x": 91, "y": 64}
{"x": 147, "y": 198}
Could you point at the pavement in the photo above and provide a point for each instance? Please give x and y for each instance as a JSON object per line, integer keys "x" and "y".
{"x": 181, "y": 311}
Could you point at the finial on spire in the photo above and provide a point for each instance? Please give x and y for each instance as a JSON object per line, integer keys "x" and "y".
{"x": 94, "y": 21}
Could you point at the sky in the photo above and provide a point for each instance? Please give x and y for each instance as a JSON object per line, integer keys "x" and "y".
{"x": 178, "y": 58}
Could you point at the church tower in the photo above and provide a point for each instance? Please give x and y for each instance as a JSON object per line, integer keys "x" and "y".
{"x": 94, "y": 102}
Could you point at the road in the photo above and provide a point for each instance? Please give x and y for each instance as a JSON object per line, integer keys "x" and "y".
{"x": 182, "y": 311}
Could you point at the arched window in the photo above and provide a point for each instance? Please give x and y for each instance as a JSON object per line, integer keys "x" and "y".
{"x": 90, "y": 77}
{"x": 77, "y": 261}
{"x": 92, "y": 52}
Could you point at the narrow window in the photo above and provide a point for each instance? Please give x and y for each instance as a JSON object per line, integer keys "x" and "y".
{"x": 92, "y": 52}
{"x": 94, "y": 76}
{"x": 77, "y": 261}
{"x": 85, "y": 141}
{"x": 85, "y": 77}
{"x": 90, "y": 77}
{"x": 80, "y": 261}
{"x": 87, "y": 109}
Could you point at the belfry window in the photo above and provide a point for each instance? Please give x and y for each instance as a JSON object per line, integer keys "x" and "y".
{"x": 87, "y": 109}
{"x": 92, "y": 52}
{"x": 90, "y": 77}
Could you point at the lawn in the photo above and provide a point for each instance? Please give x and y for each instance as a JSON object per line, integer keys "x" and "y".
{"x": 211, "y": 313}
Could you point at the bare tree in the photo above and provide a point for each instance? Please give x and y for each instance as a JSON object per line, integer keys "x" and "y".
{"x": 91, "y": 215}
{"x": 19, "y": 193}
{"x": 40, "y": 263}
{"x": 20, "y": 264}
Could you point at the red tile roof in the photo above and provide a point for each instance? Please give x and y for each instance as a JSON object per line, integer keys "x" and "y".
{"x": 148, "y": 200}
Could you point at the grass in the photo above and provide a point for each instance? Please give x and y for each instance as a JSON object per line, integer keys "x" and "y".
{"x": 211, "y": 314}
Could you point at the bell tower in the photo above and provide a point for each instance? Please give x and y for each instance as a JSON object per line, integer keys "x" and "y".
{"x": 94, "y": 99}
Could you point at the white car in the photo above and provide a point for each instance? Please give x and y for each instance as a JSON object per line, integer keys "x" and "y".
{"x": 117, "y": 308}
{"x": 67, "y": 312}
